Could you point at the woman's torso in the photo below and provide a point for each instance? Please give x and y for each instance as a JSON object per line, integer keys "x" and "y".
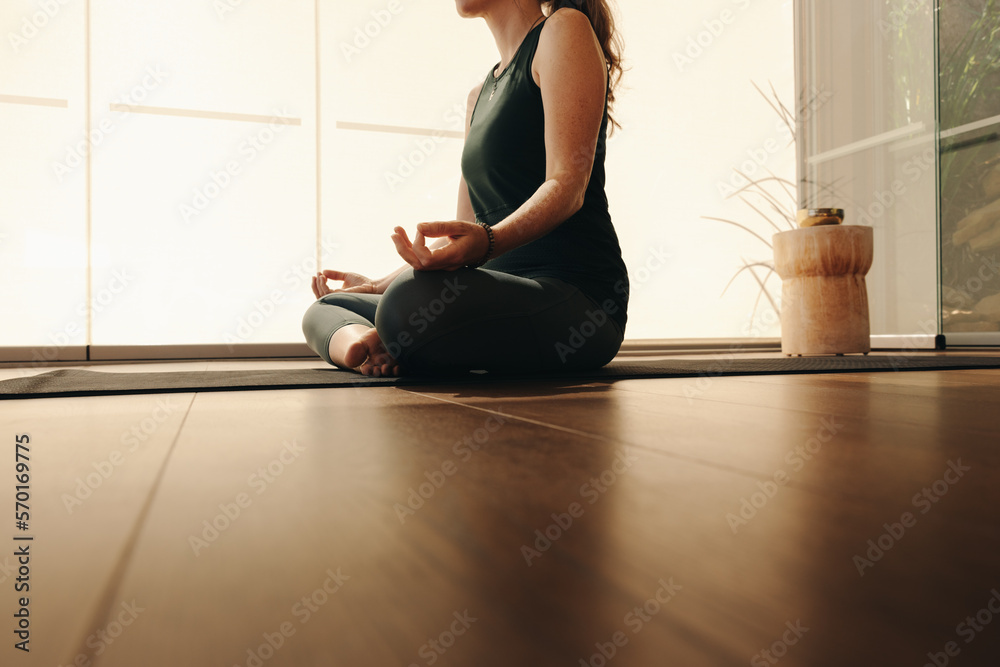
{"x": 503, "y": 163}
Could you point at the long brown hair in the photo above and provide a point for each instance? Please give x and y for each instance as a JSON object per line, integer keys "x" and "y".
{"x": 602, "y": 18}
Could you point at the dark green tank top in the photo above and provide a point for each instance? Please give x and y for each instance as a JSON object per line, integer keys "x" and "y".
{"x": 503, "y": 163}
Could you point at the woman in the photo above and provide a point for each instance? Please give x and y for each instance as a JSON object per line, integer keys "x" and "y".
{"x": 529, "y": 276}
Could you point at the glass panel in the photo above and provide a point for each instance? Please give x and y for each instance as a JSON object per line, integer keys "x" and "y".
{"x": 969, "y": 57}
{"x": 705, "y": 107}
{"x": 393, "y": 110}
{"x": 204, "y": 189}
{"x": 43, "y": 144}
{"x": 866, "y": 69}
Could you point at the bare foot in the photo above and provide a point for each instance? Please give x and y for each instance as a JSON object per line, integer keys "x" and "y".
{"x": 359, "y": 348}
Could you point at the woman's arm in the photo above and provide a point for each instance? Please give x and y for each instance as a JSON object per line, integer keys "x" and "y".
{"x": 465, "y": 212}
{"x": 570, "y": 70}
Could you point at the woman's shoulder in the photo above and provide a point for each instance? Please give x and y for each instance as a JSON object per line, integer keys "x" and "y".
{"x": 567, "y": 31}
{"x": 567, "y": 19}
{"x": 565, "y": 28}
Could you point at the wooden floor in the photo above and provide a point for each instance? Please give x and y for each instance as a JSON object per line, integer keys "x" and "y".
{"x": 797, "y": 520}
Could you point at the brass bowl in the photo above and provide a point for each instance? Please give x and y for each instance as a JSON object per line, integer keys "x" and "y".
{"x": 813, "y": 217}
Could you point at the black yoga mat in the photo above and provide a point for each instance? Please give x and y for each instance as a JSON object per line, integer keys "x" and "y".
{"x": 75, "y": 382}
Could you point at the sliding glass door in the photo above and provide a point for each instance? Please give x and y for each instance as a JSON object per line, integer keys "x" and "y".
{"x": 969, "y": 57}
{"x": 868, "y": 146}
{"x": 908, "y": 141}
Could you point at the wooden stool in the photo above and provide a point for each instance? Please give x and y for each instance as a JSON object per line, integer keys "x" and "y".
{"x": 824, "y": 298}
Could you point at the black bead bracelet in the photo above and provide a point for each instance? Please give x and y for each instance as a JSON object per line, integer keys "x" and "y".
{"x": 489, "y": 251}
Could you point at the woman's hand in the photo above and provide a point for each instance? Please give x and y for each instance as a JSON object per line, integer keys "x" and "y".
{"x": 352, "y": 282}
{"x": 467, "y": 244}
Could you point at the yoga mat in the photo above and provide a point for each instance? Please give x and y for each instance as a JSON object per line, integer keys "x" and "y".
{"x": 75, "y": 382}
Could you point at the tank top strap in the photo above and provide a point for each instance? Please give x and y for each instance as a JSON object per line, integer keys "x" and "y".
{"x": 520, "y": 64}
{"x": 526, "y": 52}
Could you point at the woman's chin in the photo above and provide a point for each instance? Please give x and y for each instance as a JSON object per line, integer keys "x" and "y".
{"x": 468, "y": 9}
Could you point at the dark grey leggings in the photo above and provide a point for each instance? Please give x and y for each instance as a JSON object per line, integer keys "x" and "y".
{"x": 442, "y": 322}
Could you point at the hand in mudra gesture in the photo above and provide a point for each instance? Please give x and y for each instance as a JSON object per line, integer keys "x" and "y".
{"x": 467, "y": 244}
{"x": 356, "y": 346}
{"x": 352, "y": 282}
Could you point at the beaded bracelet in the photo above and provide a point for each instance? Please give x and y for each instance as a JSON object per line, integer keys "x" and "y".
{"x": 489, "y": 251}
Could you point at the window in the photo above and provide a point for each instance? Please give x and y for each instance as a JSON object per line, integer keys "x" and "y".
{"x": 173, "y": 171}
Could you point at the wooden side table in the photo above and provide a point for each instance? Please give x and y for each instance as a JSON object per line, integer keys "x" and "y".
{"x": 824, "y": 298}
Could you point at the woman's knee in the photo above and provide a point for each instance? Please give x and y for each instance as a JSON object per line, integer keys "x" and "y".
{"x": 593, "y": 341}
{"x": 418, "y": 301}
{"x": 318, "y": 311}
{"x": 310, "y": 316}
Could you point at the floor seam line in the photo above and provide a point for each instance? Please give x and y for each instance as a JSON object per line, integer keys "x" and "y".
{"x": 106, "y": 600}
{"x": 742, "y": 472}
{"x": 601, "y": 438}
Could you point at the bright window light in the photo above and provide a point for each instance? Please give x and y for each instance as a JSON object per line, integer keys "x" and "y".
{"x": 173, "y": 170}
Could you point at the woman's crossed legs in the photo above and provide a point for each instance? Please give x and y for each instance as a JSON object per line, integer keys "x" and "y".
{"x": 441, "y": 322}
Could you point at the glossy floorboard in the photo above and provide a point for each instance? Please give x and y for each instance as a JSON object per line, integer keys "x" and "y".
{"x": 523, "y": 524}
